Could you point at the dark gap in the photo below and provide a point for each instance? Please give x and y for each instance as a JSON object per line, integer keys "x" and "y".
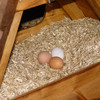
{"x": 32, "y": 17}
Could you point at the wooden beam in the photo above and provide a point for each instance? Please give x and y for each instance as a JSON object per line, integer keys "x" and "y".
{"x": 9, "y": 44}
{"x": 95, "y": 4}
{"x": 98, "y": 2}
{"x": 7, "y": 10}
{"x": 71, "y": 8}
{"x": 87, "y": 10}
{"x": 91, "y": 90}
{"x": 26, "y": 4}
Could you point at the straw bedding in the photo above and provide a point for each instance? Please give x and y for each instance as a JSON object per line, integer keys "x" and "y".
{"x": 31, "y": 23}
{"x": 80, "y": 40}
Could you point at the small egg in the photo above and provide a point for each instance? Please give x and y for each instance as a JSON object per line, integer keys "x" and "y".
{"x": 44, "y": 57}
{"x": 56, "y": 63}
{"x": 57, "y": 52}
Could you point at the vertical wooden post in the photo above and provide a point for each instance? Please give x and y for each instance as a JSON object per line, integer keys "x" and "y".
{"x": 7, "y": 10}
{"x": 9, "y": 43}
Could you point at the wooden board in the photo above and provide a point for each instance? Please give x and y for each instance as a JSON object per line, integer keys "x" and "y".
{"x": 7, "y": 10}
{"x": 91, "y": 91}
{"x": 9, "y": 44}
{"x": 87, "y": 10}
{"x": 26, "y": 4}
{"x": 95, "y": 4}
{"x": 98, "y": 2}
{"x": 71, "y": 8}
{"x": 53, "y": 13}
{"x": 66, "y": 87}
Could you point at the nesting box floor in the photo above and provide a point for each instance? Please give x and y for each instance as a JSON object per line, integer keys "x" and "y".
{"x": 80, "y": 40}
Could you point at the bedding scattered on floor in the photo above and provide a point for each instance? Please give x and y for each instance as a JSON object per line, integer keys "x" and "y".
{"x": 80, "y": 40}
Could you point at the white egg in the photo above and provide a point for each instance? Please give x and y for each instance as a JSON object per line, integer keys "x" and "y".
{"x": 57, "y": 52}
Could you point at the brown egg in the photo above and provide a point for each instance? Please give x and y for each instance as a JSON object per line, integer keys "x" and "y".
{"x": 44, "y": 57}
{"x": 56, "y": 63}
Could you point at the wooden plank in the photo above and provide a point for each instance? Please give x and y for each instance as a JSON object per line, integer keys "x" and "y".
{"x": 87, "y": 10}
{"x": 71, "y": 8}
{"x": 91, "y": 91}
{"x": 95, "y": 4}
{"x": 2, "y": 9}
{"x": 60, "y": 89}
{"x": 1, "y": 33}
{"x": 71, "y": 96}
{"x": 26, "y": 4}
{"x": 53, "y": 13}
{"x": 7, "y": 10}
{"x": 9, "y": 44}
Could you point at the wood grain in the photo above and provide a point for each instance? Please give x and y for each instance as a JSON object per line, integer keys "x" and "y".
{"x": 71, "y": 8}
{"x": 2, "y": 9}
{"x": 1, "y": 33}
{"x": 9, "y": 44}
{"x": 91, "y": 91}
{"x": 26, "y": 4}
{"x": 70, "y": 96}
{"x": 66, "y": 86}
{"x": 53, "y": 13}
{"x": 87, "y": 10}
{"x": 7, "y": 10}
{"x": 95, "y": 4}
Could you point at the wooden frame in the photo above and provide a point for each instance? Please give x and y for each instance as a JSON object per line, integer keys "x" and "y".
{"x": 72, "y": 87}
{"x": 26, "y": 4}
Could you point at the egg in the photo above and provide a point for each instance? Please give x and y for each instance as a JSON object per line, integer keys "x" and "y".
{"x": 57, "y": 52}
{"x": 44, "y": 57}
{"x": 56, "y": 63}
